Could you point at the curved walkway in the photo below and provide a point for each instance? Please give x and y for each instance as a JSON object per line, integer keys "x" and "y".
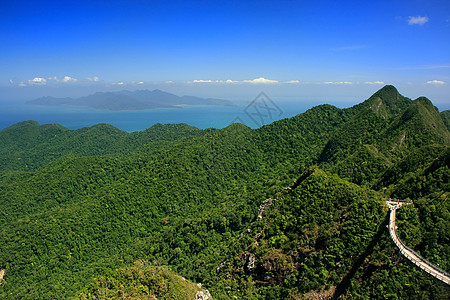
{"x": 410, "y": 254}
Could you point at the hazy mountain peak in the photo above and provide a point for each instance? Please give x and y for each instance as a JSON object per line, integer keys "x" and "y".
{"x": 130, "y": 100}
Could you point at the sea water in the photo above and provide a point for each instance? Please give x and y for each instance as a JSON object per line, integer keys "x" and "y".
{"x": 207, "y": 116}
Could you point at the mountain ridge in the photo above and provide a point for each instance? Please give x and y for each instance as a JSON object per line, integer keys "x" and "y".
{"x": 97, "y": 200}
{"x": 129, "y": 100}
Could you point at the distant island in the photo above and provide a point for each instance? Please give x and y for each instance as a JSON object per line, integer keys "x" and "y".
{"x": 130, "y": 100}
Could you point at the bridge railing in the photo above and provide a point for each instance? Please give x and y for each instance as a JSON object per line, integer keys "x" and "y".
{"x": 400, "y": 200}
{"x": 425, "y": 260}
{"x": 438, "y": 272}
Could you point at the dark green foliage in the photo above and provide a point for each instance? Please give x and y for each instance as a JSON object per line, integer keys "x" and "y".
{"x": 387, "y": 101}
{"x": 79, "y": 207}
{"x": 28, "y": 145}
{"x": 419, "y": 125}
{"x": 354, "y": 151}
{"x": 312, "y": 235}
{"x": 446, "y": 118}
{"x": 423, "y": 171}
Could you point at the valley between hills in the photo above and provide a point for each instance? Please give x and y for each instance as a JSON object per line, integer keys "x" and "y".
{"x": 293, "y": 210}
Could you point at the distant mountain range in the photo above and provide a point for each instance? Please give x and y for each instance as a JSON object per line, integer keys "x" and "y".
{"x": 130, "y": 100}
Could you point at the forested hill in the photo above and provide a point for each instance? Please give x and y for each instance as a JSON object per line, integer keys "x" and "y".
{"x": 98, "y": 212}
{"x": 28, "y": 145}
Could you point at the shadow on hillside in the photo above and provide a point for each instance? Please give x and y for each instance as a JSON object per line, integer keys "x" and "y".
{"x": 345, "y": 283}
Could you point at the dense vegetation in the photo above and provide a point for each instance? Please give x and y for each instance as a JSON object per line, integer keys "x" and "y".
{"x": 142, "y": 280}
{"x": 81, "y": 211}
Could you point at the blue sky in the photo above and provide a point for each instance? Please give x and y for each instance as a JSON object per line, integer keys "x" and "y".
{"x": 230, "y": 49}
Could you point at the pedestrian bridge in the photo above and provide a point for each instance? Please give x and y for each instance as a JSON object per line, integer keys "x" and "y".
{"x": 407, "y": 252}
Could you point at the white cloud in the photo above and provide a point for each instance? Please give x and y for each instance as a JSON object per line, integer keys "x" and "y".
{"x": 203, "y": 81}
{"x": 214, "y": 81}
{"x": 140, "y": 82}
{"x": 94, "y": 79}
{"x": 436, "y": 82}
{"x": 417, "y": 20}
{"x": 69, "y": 79}
{"x": 374, "y": 82}
{"x": 261, "y": 80}
{"x": 64, "y": 79}
{"x": 338, "y": 82}
{"x": 119, "y": 83}
{"x": 21, "y": 84}
{"x": 38, "y": 81}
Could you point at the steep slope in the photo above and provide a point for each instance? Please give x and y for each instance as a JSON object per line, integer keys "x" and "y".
{"x": 183, "y": 197}
{"x": 308, "y": 239}
{"x": 419, "y": 125}
{"x": 425, "y": 160}
{"x": 379, "y": 135}
{"x": 142, "y": 280}
{"x": 371, "y": 117}
{"x": 446, "y": 118}
{"x": 326, "y": 238}
{"x": 275, "y": 261}
{"x": 296, "y": 143}
{"x": 387, "y": 102}
{"x": 424, "y": 176}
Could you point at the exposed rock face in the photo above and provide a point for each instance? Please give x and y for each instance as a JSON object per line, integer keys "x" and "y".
{"x": 321, "y": 294}
{"x": 203, "y": 295}
{"x": 251, "y": 262}
{"x": 2, "y": 273}
{"x": 264, "y": 206}
{"x": 220, "y": 267}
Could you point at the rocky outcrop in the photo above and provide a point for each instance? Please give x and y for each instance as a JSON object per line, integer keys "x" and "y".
{"x": 203, "y": 294}
{"x": 2, "y": 273}
{"x": 250, "y": 266}
{"x": 264, "y": 206}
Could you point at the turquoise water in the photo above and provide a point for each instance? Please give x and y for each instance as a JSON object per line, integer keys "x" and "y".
{"x": 75, "y": 117}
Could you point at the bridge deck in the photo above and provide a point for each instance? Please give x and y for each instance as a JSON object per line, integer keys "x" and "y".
{"x": 410, "y": 254}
